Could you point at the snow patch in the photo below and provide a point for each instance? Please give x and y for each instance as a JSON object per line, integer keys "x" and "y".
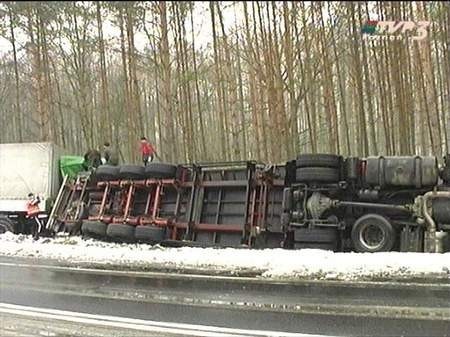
{"x": 267, "y": 263}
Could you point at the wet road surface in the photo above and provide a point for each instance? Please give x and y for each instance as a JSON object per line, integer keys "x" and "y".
{"x": 324, "y": 308}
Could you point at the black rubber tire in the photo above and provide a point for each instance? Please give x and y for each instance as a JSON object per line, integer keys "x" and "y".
{"x": 121, "y": 232}
{"x": 160, "y": 171}
{"x": 322, "y": 235}
{"x": 150, "y": 234}
{"x": 6, "y": 225}
{"x": 93, "y": 229}
{"x": 317, "y": 174}
{"x": 73, "y": 228}
{"x": 388, "y": 234}
{"x": 319, "y": 160}
{"x": 131, "y": 172}
{"x": 107, "y": 172}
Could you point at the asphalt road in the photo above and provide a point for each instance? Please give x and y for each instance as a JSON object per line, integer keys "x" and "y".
{"x": 55, "y": 299}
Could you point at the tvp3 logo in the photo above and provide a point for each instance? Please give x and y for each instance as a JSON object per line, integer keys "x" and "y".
{"x": 395, "y": 30}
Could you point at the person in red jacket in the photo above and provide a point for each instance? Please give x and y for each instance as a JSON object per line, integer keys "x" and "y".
{"x": 147, "y": 150}
{"x": 33, "y": 212}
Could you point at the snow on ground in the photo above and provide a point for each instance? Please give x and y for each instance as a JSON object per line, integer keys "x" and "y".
{"x": 267, "y": 263}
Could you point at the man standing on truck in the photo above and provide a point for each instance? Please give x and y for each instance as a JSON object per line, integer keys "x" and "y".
{"x": 92, "y": 159}
{"x": 148, "y": 151}
{"x": 33, "y": 212}
{"x": 109, "y": 156}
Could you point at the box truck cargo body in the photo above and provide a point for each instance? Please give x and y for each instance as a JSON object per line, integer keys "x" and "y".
{"x": 27, "y": 168}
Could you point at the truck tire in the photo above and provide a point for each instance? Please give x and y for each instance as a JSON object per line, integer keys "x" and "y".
{"x": 6, "y": 225}
{"x": 107, "y": 172}
{"x": 372, "y": 233}
{"x": 73, "y": 228}
{"x": 150, "y": 234}
{"x": 93, "y": 229}
{"x": 318, "y": 160}
{"x": 121, "y": 232}
{"x": 131, "y": 172}
{"x": 160, "y": 171}
{"x": 317, "y": 174}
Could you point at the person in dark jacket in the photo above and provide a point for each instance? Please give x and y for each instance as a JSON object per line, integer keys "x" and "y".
{"x": 109, "y": 156}
{"x": 92, "y": 159}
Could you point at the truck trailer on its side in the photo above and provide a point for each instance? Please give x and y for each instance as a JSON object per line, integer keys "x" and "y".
{"x": 325, "y": 201}
{"x": 27, "y": 168}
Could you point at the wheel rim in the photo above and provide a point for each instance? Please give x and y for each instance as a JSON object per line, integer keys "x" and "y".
{"x": 372, "y": 236}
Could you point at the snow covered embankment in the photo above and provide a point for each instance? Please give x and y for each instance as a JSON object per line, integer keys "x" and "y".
{"x": 268, "y": 263}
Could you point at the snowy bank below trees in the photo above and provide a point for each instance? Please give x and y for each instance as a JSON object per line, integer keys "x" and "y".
{"x": 267, "y": 263}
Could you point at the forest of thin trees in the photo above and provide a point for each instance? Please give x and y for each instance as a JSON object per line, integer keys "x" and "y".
{"x": 271, "y": 80}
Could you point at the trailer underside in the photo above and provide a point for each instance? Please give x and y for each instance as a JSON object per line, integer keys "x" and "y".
{"x": 317, "y": 201}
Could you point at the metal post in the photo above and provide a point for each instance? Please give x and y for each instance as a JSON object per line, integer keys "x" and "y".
{"x": 103, "y": 204}
{"x": 190, "y": 215}
{"x": 81, "y": 198}
{"x": 127, "y": 209}
{"x": 156, "y": 202}
{"x": 448, "y": 137}
{"x": 149, "y": 199}
{"x": 51, "y": 221}
{"x": 249, "y": 188}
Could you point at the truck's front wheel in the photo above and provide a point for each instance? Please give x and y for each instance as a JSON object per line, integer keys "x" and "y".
{"x": 373, "y": 233}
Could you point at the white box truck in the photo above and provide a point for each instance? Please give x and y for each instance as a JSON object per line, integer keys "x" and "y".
{"x": 27, "y": 168}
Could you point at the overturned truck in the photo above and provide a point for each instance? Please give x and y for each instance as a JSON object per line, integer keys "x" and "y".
{"x": 322, "y": 201}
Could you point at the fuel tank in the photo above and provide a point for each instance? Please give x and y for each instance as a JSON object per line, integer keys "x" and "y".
{"x": 407, "y": 171}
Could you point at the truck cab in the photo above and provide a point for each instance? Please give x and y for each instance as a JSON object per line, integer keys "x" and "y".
{"x": 368, "y": 204}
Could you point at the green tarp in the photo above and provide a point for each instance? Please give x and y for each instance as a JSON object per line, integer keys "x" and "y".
{"x": 71, "y": 165}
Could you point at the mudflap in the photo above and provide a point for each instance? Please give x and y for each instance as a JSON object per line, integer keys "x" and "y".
{"x": 411, "y": 239}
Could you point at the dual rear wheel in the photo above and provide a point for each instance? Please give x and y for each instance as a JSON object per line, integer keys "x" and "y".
{"x": 151, "y": 171}
{"x": 318, "y": 168}
{"x": 123, "y": 232}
